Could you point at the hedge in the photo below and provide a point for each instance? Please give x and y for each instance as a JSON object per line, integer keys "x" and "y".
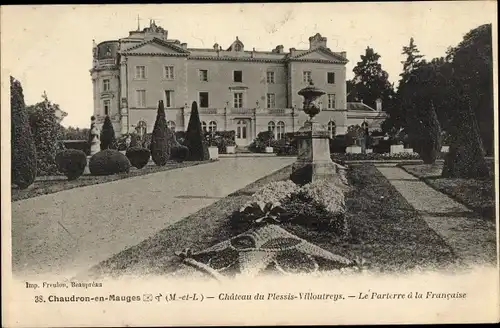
{"x": 71, "y": 162}
{"x": 108, "y": 162}
{"x": 138, "y": 156}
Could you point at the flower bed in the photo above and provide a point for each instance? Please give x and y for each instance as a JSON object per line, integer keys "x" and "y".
{"x": 319, "y": 204}
{"x": 374, "y": 157}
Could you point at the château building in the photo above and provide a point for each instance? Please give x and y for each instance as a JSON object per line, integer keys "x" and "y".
{"x": 247, "y": 91}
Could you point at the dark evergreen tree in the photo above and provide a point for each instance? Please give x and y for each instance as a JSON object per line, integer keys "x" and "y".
{"x": 23, "y": 151}
{"x": 422, "y": 125}
{"x": 198, "y": 149}
{"x": 370, "y": 81}
{"x": 159, "y": 147}
{"x": 472, "y": 92}
{"x": 472, "y": 64}
{"x": 108, "y": 139}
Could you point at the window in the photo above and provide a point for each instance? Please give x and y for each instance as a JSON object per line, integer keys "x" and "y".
{"x": 238, "y": 76}
{"x": 212, "y": 126}
{"x": 271, "y": 100}
{"x": 280, "y": 130}
{"x": 332, "y": 129}
{"x": 306, "y": 76}
{"x": 204, "y": 99}
{"x": 171, "y": 125}
{"x": 237, "y": 47}
{"x": 106, "y": 85}
{"x": 169, "y": 72}
{"x": 204, "y": 126}
{"x": 142, "y": 128}
{"x": 203, "y": 75}
{"x": 241, "y": 129}
{"x": 271, "y": 127}
{"x": 141, "y": 98}
{"x": 270, "y": 77}
{"x": 140, "y": 72}
{"x": 107, "y": 107}
{"x": 169, "y": 98}
{"x": 331, "y": 101}
{"x": 238, "y": 100}
{"x": 331, "y": 77}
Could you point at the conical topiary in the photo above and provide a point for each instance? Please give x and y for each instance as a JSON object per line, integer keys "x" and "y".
{"x": 198, "y": 150}
{"x": 23, "y": 157}
{"x": 160, "y": 151}
{"x": 108, "y": 139}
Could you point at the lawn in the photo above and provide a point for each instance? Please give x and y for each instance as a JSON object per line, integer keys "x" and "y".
{"x": 477, "y": 194}
{"x": 52, "y": 185}
{"x": 385, "y": 231}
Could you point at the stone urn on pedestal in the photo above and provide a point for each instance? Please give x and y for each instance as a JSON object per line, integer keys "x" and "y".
{"x": 313, "y": 160}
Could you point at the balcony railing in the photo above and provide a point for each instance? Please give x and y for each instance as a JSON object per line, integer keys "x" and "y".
{"x": 106, "y": 62}
{"x": 242, "y": 111}
{"x": 208, "y": 110}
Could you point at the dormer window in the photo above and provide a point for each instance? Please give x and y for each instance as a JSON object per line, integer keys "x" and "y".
{"x": 237, "y": 47}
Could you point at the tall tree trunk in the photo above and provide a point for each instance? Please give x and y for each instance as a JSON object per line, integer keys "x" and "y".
{"x": 466, "y": 156}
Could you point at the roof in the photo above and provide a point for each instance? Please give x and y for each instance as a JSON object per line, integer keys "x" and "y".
{"x": 359, "y": 106}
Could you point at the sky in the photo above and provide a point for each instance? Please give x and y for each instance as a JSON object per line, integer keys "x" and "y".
{"x": 49, "y": 48}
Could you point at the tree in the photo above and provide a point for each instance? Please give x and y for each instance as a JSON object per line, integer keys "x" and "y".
{"x": 198, "y": 150}
{"x": 421, "y": 95}
{"x": 46, "y": 130}
{"x": 370, "y": 81}
{"x": 160, "y": 151}
{"x": 472, "y": 96}
{"x": 472, "y": 63}
{"x": 412, "y": 62}
{"x": 23, "y": 154}
{"x": 108, "y": 139}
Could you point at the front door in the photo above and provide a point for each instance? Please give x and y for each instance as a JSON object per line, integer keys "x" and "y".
{"x": 242, "y": 132}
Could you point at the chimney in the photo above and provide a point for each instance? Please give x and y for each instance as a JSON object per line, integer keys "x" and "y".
{"x": 184, "y": 46}
{"x": 278, "y": 49}
{"x": 317, "y": 41}
{"x": 216, "y": 46}
{"x": 343, "y": 54}
{"x": 292, "y": 52}
{"x": 378, "y": 105}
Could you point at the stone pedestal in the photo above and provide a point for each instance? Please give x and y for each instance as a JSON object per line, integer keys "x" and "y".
{"x": 354, "y": 150}
{"x": 95, "y": 147}
{"x": 314, "y": 161}
{"x": 396, "y": 149}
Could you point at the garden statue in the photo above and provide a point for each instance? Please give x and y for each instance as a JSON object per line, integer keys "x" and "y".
{"x": 313, "y": 161}
{"x": 95, "y": 143}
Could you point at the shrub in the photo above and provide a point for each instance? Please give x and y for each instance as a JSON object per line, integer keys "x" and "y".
{"x": 160, "y": 151}
{"x": 262, "y": 141}
{"x": 198, "y": 150}
{"x": 108, "y": 162}
{"x": 180, "y": 136}
{"x": 179, "y": 153}
{"x": 82, "y": 145}
{"x": 71, "y": 162}
{"x": 138, "y": 157}
{"x": 221, "y": 140}
{"x": 121, "y": 142}
{"x": 23, "y": 157}
{"x": 338, "y": 144}
{"x": 108, "y": 140}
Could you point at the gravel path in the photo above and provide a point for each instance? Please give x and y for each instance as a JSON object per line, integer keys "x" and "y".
{"x": 472, "y": 239}
{"x": 66, "y": 232}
